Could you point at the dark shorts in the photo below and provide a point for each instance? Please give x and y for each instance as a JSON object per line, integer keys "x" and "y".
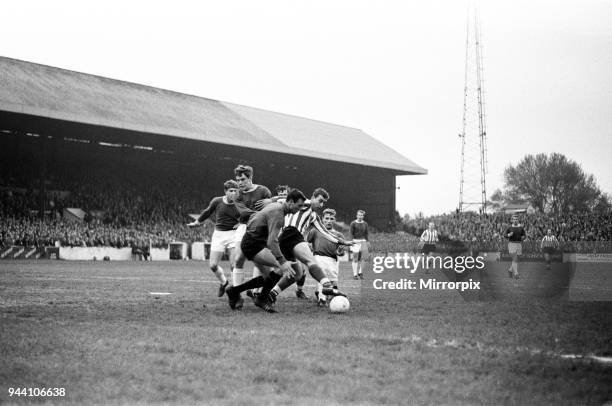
{"x": 289, "y": 238}
{"x": 251, "y": 247}
{"x": 548, "y": 250}
{"x": 427, "y": 248}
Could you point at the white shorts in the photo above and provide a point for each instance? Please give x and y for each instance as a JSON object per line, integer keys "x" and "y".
{"x": 239, "y": 233}
{"x": 357, "y": 247}
{"x": 515, "y": 248}
{"x": 222, "y": 240}
{"x": 329, "y": 265}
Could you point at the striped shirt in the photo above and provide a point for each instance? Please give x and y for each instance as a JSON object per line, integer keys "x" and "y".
{"x": 306, "y": 217}
{"x": 549, "y": 241}
{"x": 429, "y": 236}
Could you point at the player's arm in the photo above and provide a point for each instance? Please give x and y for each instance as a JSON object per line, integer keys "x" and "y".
{"x": 212, "y": 206}
{"x": 260, "y": 204}
{"x": 340, "y": 249}
{"x": 367, "y": 236}
{"x": 423, "y": 236}
{"x": 244, "y": 212}
{"x": 275, "y": 223}
{"x": 311, "y": 235}
{"x": 266, "y": 200}
{"x": 316, "y": 223}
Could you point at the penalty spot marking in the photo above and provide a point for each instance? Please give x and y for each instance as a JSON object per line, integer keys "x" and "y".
{"x": 160, "y": 293}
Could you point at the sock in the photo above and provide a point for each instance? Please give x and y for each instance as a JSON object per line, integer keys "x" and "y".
{"x": 360, "y": 266}
{"x": 269, "y": 283}
{"x": 301, "y": 281}
{"x": 276, "y": 290}
{"x": 250, "y": 284}
{"x": 220, "y": 275}
{"x": 256, "y": 273}
{"x": 320, "y": 291}
{"x": 355, "y": 265}
{"x": 237, "y": 276}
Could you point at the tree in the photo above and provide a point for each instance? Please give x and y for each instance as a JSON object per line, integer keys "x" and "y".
{"x": 553, "y": 183}
{"x": 496, "y": 200}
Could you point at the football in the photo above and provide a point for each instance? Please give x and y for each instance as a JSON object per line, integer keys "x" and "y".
{"x": 339, "y": 304}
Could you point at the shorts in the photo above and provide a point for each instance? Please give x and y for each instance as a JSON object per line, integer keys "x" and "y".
{"x": 329, "y": 266}
{"x": 427, "y": 248}
{"x": 239, "y": 233}
{"x": 222, "y": 240}
{"x": 288, "y": 239}
{"x": 360, "y": 249}
{"x": 548, "y": 250}
{"x": 251, "y": 247}
{"x": 515, "y": 248}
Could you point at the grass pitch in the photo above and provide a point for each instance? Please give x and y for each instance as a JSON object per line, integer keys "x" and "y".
{"x": 94, "y": 329}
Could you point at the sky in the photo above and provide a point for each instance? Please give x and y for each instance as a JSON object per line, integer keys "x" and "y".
{"x": 394, "y": 69}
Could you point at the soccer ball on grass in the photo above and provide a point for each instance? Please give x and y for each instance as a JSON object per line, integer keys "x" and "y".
{"x": 339, "y": 304}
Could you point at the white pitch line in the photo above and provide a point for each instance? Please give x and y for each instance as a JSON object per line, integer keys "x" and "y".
{"x": 433, "y": 343}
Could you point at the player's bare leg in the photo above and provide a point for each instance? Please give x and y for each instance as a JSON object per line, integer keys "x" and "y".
{"x": 303, "y": 254}
{"x": 270, "y": 276}
{"x": 515, "y": 265}
{"x": 238, "y": 269}
{"x": 300, "y": 281}
{"x": 215, "y": 258}
{"x": 355, "y": 263}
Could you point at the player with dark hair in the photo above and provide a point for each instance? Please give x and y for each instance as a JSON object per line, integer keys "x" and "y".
{"x": 261, "y": 244}
{"x": 296, "y": 248}
{"x": 226, "y": 217}
{"x": 249, "y": 194}
{"x": 326, "y": 252}
{"x": 282, "y": 191}
{"x": 281, "y": 194}
{"x": 515, "y": 234}
{"x": 358, "y": 231}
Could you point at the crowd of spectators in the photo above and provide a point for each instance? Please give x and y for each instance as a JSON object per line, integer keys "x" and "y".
{"x": 573, "y": 230}
{"x": 127, "y": 212}
{"x": 118, "y": 214}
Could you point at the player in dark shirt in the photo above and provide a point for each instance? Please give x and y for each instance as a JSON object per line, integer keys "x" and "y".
{"x": 226, "y": 217}
{"x": 248, "y": 195}
{"x": 260, "y": 244}
{"x": 515, "y": 234}
{"x": 359, "y": 234}
{"x": 326, "y": 252}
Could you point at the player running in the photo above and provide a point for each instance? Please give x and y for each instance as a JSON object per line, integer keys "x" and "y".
{"x": 358, "y": 232}
{"x": 249, "y": 194}
{"x": 226, "y": 217}
{"x": 548, "y": 246}
{"x": 516, "y": 235}
{"x": 326, "y": 252}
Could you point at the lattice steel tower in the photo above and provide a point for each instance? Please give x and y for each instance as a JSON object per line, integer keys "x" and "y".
{"x": 472, "y": 190}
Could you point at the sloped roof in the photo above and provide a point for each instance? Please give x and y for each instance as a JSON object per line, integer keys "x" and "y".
{"x": 56, "y": 93}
